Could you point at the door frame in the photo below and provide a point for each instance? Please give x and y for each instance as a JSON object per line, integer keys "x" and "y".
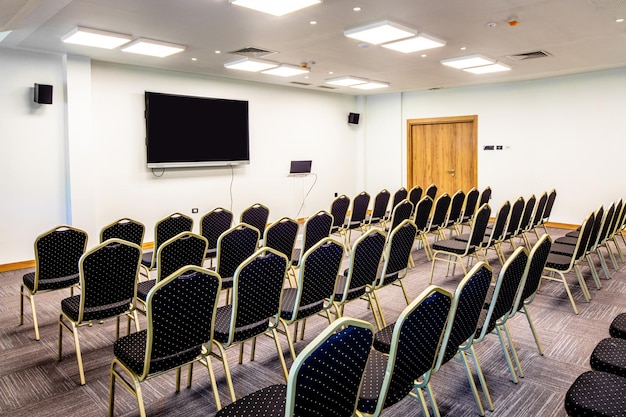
{"x": 473, "y": 119}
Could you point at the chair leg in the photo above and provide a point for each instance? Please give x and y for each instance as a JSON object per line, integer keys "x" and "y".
{"x": 279, "y": 349}
{"x": 533, "y": 330}
{"x": 594, "y": 273}
{"x": 507, "y": 357}
{"x": 569, "y": 293}
{"x": 216, "y": 394}
{"x": 31, "y": 298}
{"x": 289, "y": 340}
{"x": 582, "y": 283}
{"x": 481, "y": 378}
{"x": 229, "y": 380}
{"x": 470, "y": 379}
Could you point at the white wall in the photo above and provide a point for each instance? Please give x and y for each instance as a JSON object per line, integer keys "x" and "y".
{"x": 565, "y": 133}
{"x": 32, "y": 152}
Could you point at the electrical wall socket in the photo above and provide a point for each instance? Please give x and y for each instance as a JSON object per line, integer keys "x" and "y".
{"x": 194, "y": 210}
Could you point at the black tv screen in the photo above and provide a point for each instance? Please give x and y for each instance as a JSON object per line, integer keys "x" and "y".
{"x": 187, "y": 131}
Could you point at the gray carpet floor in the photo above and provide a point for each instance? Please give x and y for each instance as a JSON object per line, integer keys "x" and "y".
{"x": 34, "y": 383}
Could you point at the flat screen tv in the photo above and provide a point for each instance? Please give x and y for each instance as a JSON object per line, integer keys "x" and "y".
{"x": 188, "y": 131}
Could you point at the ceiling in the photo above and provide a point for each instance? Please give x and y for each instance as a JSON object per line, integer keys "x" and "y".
{"x": 577, "y": 35}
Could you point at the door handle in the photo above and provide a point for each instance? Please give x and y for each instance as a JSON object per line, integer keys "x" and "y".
{"x": 451, "y": 171}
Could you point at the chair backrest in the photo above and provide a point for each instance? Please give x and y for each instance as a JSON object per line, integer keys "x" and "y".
{"x": 526, "y": 220}
{"x": 257, "y": 290}
{"x": 431, "y": 191}
{"x": 470, "y": 204}
{"x": 517, "y": 209}
{"x": 498, "y": 231}
{"x": 180, "y": 312}
{"x": 485, "y": 196}
{"x": 365, "y": 259}
{"x": 549, "y": 205}
{"x": 510, "y": 279}
{"x": 467, "y": 304}
{"x": 359, "y": 207}
{"x": 481, "y": 220}
{"x": 57, "y": 253}
{"x": 595, "y": 230}
{"x": 325, "y": 379}
{"x": 534, "y": 268}
{"x": 619, "y": 211}
{"x": 316, "y": 228}
{"x": 281, "y": 235}
{"x": 456, "y": 207}
{"x": 401, "y": 212}
{"x": 214, "y": 223}
{"x": 381, "y": 201}
{"x": 539, "y": 209}
{"x": 183, "y": 249}
{"x": 126, "y": 229}
{"x": 170, "y": 226}
{"x": 606, "y": 223}
{"x": 235, "y": 246}
{"x": 256, "y": 215}
{"x": 583, "y": 238}
{"x": 398, "y": 196}
{"x": 397, "y": 252}
{"x": 440, "y": 211}
{"x": 339, "y": 209}
{"x": 414, "y": 346}
{"x": 621, "y": 215}
{"x": 422, "y": 213}
{"x": 317, "y": 276}
{"x": 415, "y": 195}
{"x": 108, "y": 277}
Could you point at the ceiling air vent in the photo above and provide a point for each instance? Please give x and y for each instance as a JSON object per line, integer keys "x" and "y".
{"x": 299, "y": 83}
{"x": 529, "y": 55}
{"x": 327, "y": 87}
{"x": 252, "y": 51}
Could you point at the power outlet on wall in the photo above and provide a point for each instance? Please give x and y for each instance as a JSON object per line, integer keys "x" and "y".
{"x": 194, "y": 210}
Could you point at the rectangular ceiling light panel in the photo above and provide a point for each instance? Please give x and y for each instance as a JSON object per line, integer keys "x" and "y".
{"x": 276, "y": 7}
{"x": 371, "y": 85}
{"x": 382, "y": 31}
{"x": 418, "y": 43}
{"x": 250, "y": 64}
{"x": 286, "y": 70}
{"x": 346, "y": 81}
{"x": 152, "y": 48}
{"x": 488, "y": 69}
{"x": 468, "y": 61}
{"x": 95, "y": 38}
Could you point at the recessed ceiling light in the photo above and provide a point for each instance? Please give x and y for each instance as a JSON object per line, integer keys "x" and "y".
{"x": 346, "y": 81}
{"x": 194, "y": 59}
{"x": 152, "y": 48}
{"x": 276, "y": 7}
{"x": 95, "y": 38}
{"x": 371, "y": 85}
{"x": 488, "y": 69}
{"x": 286, "y": 70}
{"x": 463, "y": 48}
{"x": 620, "y": 20}
{"x": 417, "y": 43}
{"x": 468, "y": 61}
{"x": 313, "y": 22}
{"x": 356, "y": 9}
{"x": 250, "y": 64}
{"x": 423, "y": 55}
{"x": 218, "y": 52}
{"x": 379, "y": 32}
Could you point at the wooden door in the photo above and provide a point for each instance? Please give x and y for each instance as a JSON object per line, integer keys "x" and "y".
{"x": 443, "y": 151}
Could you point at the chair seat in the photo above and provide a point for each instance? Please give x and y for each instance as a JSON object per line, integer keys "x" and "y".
{"x": 618, "y": 326}
{"x": 453, "y": 246}
{"x": 567, "y": 240}
{"x": 353, "y": 293}
{"x": 49, "y": 284}
{"x": 144, "y": 287}
{"x": 71, "y": 306}
{"x": 610, "y": 356}
{"x": 288, "y": 305}
{"x": 382, "y": 339}
{"x": 372, "y": 381}
{"x": 562, "y": 249}
{"x": 222, "y": 326}
{"x": 146, "y": 259}
{"x": 558, "y": 262}
{"x": 597, "y": 394}
{"x": 266, "y": 402}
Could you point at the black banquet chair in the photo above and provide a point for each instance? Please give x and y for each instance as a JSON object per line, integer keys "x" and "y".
{"x": 212, "y": 225}
{"x": 324, "y": 381}
{"x": 108, "y": 288}
{"x": 180, "y": 316}
{"x": 165, "y": 229}
{"x": 57, "y": 253}
{"x": 125, "y": 229}
{"x": 256, "y": 215}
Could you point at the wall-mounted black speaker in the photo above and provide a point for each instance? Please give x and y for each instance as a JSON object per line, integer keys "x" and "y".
{"x": 353, "y": 118}
{"x": 43, "y": 93}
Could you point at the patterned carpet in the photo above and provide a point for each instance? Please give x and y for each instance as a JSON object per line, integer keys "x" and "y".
{"x": 34, "y": 383}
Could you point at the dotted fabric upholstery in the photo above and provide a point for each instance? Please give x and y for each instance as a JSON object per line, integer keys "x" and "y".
{"x": 125, "y": 229}
{"x": 212, "y": 225}
{"x": 485, "y": 195}
{"x": 282, "y": 236}
{"x": 525, "y": 220}
{"x": 399, "y": 246}
{"x": 339, "y": 209}
{"x": 454, "y": 246}
{"x": 398, "y": 196}
{"x": 608, "y": 219}
{"x": 401, "y": 212}
{"x": 359, "y": 210}
{"x": 609, "y": 356}
{"x": 563, "y": 262}
{"x": 179, "y": 322}
{"x": 618, "y": 326}
{"x": 564, "y": 249}
{"x": 440, "y": 212}
{"x": 185, "y": 249}
{"x": 363, "y": 269}
{"x": 325, "y": 385}
{"x": 57, "y": 254}
{"x": 381, "y": 201}
{"x": 422, "y": 212}
{"x": 471, "y": 200}
{"x": 549, "y": 205}
{"x": 234, "y": 247}
{"x": 415, "y": 195}
{"x": 511, "y": 278}
{"x": 596, "y": 394}
{"x": 537, "y": 262}
{"x": 256, "y": 216}
{"x": 475, "y": 237}
{"x": 164, "y": 230}
{"x": 541, "y": 205}
{"x": 431, "y": 191}
{"x": 497, "y": 232}
{"x": 316, "y": 228}
{"x": 108, "y": 275}
{"x": 319, "y": 273}
{"x": 256, "y": 294}
{"x": 456, "y": 206}
{"x": 417, "y": 347}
